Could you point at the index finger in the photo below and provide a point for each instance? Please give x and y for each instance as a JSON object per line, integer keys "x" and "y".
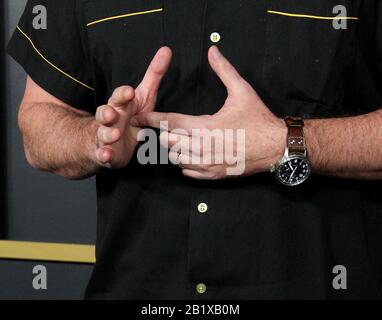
{"x": 171, "y": 120}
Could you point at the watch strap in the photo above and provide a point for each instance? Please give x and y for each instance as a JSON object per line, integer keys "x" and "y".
{"x": 295, "y": 136}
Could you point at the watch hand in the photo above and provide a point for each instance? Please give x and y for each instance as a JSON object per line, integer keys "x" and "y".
{"x": 290, "y": 166}
{"x": 290, "y": 179}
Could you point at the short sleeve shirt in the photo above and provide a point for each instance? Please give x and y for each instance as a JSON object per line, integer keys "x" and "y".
{"x": 160, "y": 235}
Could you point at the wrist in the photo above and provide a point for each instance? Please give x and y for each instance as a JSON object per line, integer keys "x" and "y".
{"x": 262, "y": 157}
{"x": 278, "y": 143}
{"x": 91, "y": 144}
{"x": 294, "y": 166}
{"x": 312, "y": 144}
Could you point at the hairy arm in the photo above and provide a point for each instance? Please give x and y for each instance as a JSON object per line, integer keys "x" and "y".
{"x": 75, "y": 144}
{"x": 341, "y": 147}
{"x": 346, "y": 147}
{"x": 57, "y": 137}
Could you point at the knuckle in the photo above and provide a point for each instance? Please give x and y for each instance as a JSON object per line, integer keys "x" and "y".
{"x": 108, "y": 113}
{"x": 99, "y": 113}
{"x": 104, "y": 134}
{"x": 107, "y": 135}
{"x": 100, "y": 134}
{"x": 99, "y": 131}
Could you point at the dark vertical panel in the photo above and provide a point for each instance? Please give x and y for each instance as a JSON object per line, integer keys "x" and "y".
{"x": 2, "y": 122}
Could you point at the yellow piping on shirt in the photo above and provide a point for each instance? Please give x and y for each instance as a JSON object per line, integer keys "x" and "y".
{"x": 307, "y": 16}
{"x": 124, "y": 16}
{"x": 50, "y": 63}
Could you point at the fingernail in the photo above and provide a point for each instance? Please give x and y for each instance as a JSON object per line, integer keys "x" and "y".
{"x": 108, "y": 115}
{"x": 104, "y": 155}
{"x": 115, "y": 133}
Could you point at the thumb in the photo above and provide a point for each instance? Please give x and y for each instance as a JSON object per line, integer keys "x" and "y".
{"x": 148, "y": 88}
{"x": 225, "y": 71}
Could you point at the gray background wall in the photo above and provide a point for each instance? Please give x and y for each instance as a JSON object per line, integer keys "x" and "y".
{"x": 39, "y": 206}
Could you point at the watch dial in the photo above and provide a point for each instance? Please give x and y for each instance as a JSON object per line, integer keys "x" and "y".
{"x": 294, "y": 171}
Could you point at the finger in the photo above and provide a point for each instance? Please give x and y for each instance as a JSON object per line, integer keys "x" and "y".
{"x": 187, "y": 161}
{"x": 107, "y": 115}
{"x": 224, "y": 69}
{"x": 107, "y": 135}
{"x": 179, "y": 159}
{"x": 104, "y": 156}
{"x": 190, "y": 145}
{"x": 170, "y": 140}
{"x": 194, "y": 174}
{"x": 121, "y": 97}
{"x": 171, "y": 121}
{"x": 155, "y": 72}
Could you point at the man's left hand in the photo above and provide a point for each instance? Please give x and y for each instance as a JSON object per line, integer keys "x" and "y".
{"x": 265, "y": 134}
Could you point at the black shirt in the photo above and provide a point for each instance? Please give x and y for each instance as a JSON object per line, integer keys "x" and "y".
{"x": 257, "y": 239}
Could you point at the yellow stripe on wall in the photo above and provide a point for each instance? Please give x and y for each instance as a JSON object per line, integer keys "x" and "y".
{"x": 124, "y": 16}
{"x": 44, "y": 251}
{"x": 308, "y": 16}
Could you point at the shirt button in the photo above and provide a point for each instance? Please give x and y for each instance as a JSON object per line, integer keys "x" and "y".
{"x": 202, "y": 207}
{"x": 201, "y": 288}
{"x": 215, "y": 37}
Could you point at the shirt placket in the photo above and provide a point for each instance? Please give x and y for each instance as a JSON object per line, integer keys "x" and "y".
{"x": 202, "y": 214}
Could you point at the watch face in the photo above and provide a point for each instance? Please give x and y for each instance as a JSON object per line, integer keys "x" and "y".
{"x": 293, "y": 171}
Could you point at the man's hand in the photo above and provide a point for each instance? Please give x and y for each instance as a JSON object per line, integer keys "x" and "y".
{"x": 117, "y": 139}
{"x": 265, "y": 134}
{"x": 62, "y": 139}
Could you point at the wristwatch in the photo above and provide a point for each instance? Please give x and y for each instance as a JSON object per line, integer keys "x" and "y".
{"x": 294, "y": 167}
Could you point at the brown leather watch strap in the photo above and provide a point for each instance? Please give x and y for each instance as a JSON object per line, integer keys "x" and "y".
{"x": 295, "y": 137}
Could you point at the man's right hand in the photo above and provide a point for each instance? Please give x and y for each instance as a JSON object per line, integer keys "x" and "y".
{"x": 117, "y": 139}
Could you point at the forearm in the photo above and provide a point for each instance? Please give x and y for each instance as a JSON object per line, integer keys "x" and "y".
{"x": 346, "y": 147}
{"x": 59, "y": 139}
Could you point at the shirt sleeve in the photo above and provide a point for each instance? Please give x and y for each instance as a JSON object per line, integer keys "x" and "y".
{"x": 54, "y": 57}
